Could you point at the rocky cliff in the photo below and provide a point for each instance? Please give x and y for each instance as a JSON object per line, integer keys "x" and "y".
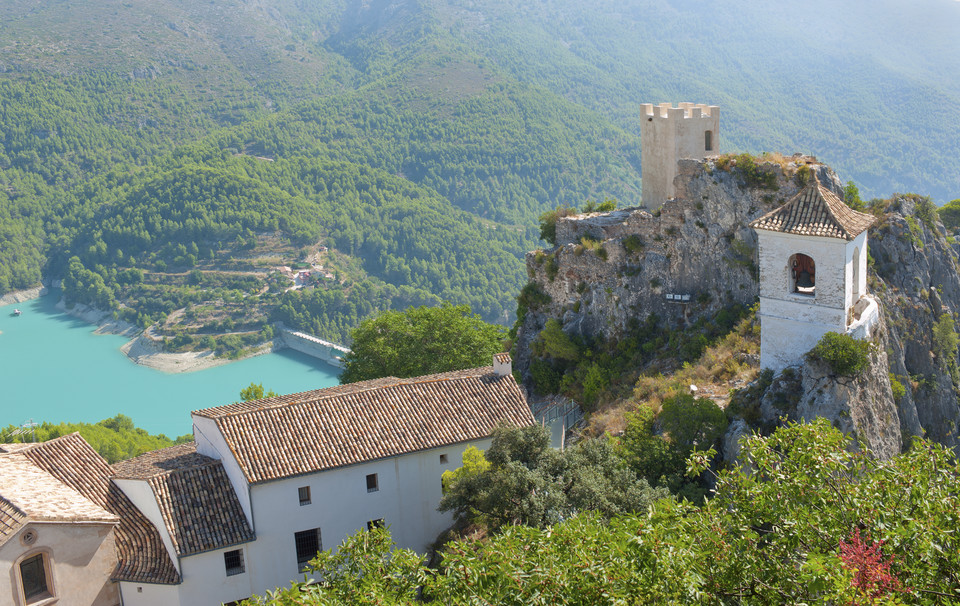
{"x": 698, "y": 254}
{"x": 694, "y": 256}
{"x": 916, "y": 278}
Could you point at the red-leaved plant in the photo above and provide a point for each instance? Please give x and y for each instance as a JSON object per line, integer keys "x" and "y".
{"x": 871, "y": 573}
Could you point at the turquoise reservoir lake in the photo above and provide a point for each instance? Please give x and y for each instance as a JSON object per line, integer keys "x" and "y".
{"x": 54, "y": 368}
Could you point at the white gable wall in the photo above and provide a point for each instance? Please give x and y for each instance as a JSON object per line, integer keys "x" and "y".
{"x": 409, "y": 492}
{"x": 141, "y": 495}
{"x": 210, "y": 442}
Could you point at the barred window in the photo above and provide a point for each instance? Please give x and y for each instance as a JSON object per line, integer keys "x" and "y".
{"x": 372, "y": 484}
{"x": 304, "y": 495}
{"x": 233, "y": 561}
{"x": 308, "y": 544}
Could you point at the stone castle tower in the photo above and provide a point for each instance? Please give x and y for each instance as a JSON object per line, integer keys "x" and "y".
{"x": 668, "y": 134}
{"x": 813, "y": 275}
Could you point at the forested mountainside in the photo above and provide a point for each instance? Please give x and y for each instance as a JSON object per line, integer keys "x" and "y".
{"x": 164, "y": 156}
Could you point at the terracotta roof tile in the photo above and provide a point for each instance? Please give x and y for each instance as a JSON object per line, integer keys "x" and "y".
{"x": 816, "y": 211}
{"x": 157, "y": 462}
{"x": 140, "y": 551}
{"x": 350, "y": 424}
{"x": 42, "y": 497}
{"x": 12, "y": 519}
{"x": 502, "y": 358}
{"x": 200, "y": 509}
{"x": 197, "y": 501}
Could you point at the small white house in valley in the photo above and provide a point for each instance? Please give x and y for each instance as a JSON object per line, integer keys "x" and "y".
{"x": 242, "y": 509}
{"x": 813, "y": 275}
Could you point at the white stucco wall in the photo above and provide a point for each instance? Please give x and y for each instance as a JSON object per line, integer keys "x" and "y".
{"x": 210, "y": 442}
{"x": 409, "y": 491}
{"x": 148, "y": 594}
{"x": 792, "y": 323}
{"x": 82, "y": 557}
{"x": 205, "y": 579}
{"x": 668, "y": 134}
{"x": 830, "y": 256}
{"x": 204, "y": 583}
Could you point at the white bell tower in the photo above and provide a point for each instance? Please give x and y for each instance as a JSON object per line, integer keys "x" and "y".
{"x": 813, "y": 275}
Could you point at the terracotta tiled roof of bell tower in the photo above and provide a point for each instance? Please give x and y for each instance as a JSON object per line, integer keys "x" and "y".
{"x": 816, "y": 211}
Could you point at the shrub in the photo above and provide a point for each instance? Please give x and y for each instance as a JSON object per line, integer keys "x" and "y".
{"x": 842, "y": 353}
{"x": 851, "y": 196}
{"x": 595, "y": 246}
{"x": 926, "y": 211}
{"x": 548, "y": 223}
{"x": 897, "y": 387}
{"x": 633, "y": 244}
{"x": 552, "y": 268}
{"x": 950, "y": 215}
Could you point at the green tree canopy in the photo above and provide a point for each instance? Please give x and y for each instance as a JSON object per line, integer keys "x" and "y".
{"x": 254, "y": 391}
{"x": 528, "y": 482}
{"x": 804, "y": 521}
{"x": 115, "y": 439}
{"x": 420, "y": 341}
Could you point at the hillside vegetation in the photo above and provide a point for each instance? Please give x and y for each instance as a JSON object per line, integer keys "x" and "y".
{"x": 175, "y": 158}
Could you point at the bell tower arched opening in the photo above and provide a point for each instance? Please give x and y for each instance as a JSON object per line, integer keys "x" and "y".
{"x": 803, "y": 275}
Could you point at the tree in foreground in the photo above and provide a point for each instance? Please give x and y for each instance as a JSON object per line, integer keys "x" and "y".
{"x": 420, "y": 341}
{"x": 805, "y": 521}
{"x": 522, "y": 480}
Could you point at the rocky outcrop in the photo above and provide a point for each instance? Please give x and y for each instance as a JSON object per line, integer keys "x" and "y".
{"x": 697, "y": 255}
{"x": 694, "y": 256}
{"x": 861, "y": 406}
{"x": 916, "y": 277}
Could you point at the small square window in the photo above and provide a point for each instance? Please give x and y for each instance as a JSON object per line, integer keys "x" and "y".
{"x": 308, "y": 545}
{"x": 378, "y": 523}
{"x": 304, "y": 495}
{"x": 233, "y": 561}
{"x": 372, "y": 485}
{"x": 443, "y": 459}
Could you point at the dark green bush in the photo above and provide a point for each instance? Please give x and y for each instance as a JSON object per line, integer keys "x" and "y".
{"x": 633, "y": 244}
{"x": 842, "y": 353}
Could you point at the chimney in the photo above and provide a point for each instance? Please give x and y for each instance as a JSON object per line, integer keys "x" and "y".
{"x": 502, "y": 364}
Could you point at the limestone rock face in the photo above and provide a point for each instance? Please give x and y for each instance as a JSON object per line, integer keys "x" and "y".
{"x": 917, "y": 281}
{"x": 693, "y": 257}
{"x": 861, "y": 406}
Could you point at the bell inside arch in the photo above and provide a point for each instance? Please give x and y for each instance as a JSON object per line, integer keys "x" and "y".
{"x": 805, "y": 280}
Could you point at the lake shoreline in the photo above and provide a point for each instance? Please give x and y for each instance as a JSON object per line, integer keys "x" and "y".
{"x": 142, "y": 348}
{"x": 27, "y": 294}
{"x": 146, "y": 350}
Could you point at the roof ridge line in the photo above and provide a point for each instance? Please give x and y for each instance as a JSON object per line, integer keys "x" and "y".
{"x": 431, "y": 378}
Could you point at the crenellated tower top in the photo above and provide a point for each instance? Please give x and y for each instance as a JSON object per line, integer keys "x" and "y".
{"x": 668, "y": 134}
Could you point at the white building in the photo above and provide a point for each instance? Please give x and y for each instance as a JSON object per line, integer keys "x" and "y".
{"x": 668, "y": 134}
{"x": 265, "y": 485}
{"x": 813, "y": 275}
